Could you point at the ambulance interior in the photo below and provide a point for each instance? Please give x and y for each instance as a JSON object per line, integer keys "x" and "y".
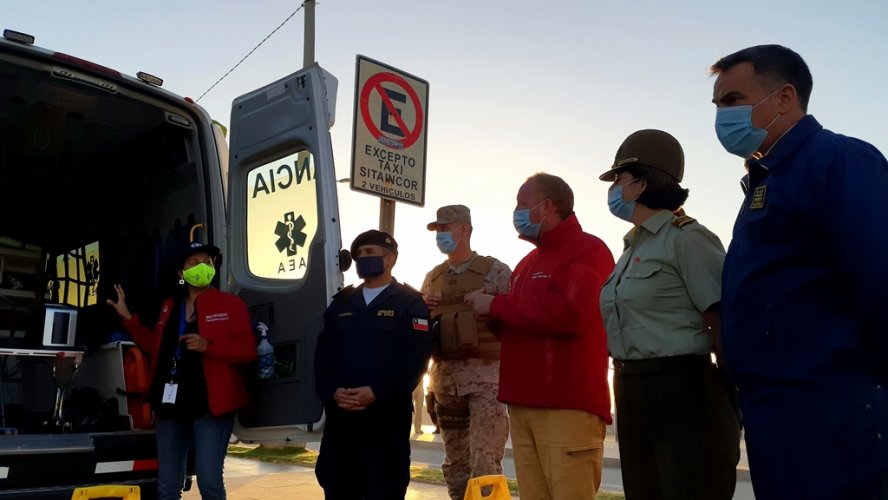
{"x": 98, "y": 185}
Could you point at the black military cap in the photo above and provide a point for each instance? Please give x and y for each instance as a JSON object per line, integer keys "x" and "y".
{"x": 374, "y": 237}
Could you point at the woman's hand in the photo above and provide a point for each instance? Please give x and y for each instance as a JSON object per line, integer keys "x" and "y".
{"x": 120, "y": 305}
{"x": 194, "y": 342}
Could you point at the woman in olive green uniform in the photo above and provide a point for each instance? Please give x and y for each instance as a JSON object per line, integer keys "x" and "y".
{"x": 676, "y": 429}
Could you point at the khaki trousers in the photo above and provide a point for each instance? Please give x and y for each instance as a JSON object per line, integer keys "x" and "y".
{"x": 558, "y": 453}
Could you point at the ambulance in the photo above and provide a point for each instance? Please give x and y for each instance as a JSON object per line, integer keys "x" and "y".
{"x": 104, "y": 177}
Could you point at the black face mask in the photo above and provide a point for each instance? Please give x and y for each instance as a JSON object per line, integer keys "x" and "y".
{"x": 369, "y": 266}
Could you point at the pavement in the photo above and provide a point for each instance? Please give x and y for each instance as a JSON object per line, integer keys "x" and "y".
{"x": 247, "y": 479}
{"x": 611, "y": 450}
{"x": 253, "y": 480}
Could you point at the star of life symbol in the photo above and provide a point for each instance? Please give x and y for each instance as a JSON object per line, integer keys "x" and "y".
{"x": 290, "y": 233}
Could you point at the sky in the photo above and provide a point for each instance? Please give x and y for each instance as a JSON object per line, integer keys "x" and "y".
{"x": 515, "y": 87}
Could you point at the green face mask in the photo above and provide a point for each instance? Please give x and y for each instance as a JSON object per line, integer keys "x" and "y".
{"x": 200, "y": 275}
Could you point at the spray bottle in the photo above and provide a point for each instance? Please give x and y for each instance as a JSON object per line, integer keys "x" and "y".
{"x": 266, "y": 353}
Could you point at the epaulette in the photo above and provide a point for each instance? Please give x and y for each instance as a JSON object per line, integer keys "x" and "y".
{"x": 345, "y": 292}
{"x": 683, "y": 221}
{"x": 407, "y": 286}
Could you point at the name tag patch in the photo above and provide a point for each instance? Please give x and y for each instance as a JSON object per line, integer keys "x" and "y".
{"x": 758, "y": 198}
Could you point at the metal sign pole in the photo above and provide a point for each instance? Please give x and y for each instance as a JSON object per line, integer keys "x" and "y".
{"x": 387, "y": 215}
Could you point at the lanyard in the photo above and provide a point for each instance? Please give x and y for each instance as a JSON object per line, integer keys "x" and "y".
{"x": 178, "y": 352}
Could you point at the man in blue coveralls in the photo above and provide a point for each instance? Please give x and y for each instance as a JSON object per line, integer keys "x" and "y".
{"x": 805, "y": 288}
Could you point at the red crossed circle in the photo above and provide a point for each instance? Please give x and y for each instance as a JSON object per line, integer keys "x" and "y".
{"x": 374, "y": 83}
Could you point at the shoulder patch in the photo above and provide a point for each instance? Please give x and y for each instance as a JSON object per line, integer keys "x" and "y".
{"x": 683, "y": 221}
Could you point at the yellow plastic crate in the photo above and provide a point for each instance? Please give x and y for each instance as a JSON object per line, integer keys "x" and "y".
{"x": 121, "y": 491}
{"x": 498, "y": 482}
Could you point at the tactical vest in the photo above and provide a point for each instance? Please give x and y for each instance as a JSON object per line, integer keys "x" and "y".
{"x": 461, "y": 335}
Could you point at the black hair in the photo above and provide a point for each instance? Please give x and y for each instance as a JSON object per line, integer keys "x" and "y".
{"x": 775, "y": 64}
{"x": 662, "y": 191}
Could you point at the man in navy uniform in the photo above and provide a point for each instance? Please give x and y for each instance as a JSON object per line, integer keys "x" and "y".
{"x": 804, "y": 295}
{"x": 371, "y": 354}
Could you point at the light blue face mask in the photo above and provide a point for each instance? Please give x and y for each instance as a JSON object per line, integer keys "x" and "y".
{"x": 444, "y": 240}
{"x": 619, "y": 207}
{"x": 735, "y": 131}
{"x": 521, "y": 221}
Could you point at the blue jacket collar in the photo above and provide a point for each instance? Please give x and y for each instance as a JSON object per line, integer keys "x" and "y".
{"x": 790, "y": 141}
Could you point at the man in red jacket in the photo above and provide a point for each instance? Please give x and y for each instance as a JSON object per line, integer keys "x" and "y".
{"x": 553, "y": 365}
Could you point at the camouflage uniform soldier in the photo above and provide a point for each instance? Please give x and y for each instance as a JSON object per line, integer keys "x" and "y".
{"x": 465, "y": 372}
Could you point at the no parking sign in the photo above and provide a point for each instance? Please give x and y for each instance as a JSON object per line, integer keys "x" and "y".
{"x": 389, "y": 138}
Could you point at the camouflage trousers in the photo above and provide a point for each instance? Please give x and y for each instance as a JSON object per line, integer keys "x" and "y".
{"x": 418, "y": 399}
{"x": 474, "y": 428}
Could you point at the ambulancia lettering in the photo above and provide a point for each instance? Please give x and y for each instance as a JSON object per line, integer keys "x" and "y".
{"x": 282, "y": 177}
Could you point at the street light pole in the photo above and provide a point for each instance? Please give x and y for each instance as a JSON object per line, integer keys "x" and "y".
{"x": 309, "y": 43}
{"x": 386, "y": 206}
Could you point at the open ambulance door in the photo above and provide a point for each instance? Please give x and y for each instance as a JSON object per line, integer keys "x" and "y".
{"x": 284, "y": 242}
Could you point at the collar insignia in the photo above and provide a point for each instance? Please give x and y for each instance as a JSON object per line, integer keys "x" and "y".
{"x": 758, "y": 198}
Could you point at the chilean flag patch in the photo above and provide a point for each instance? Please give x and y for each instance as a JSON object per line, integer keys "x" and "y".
{"x": 421, "y": 324}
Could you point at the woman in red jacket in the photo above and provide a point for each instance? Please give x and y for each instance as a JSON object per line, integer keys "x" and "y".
{"x": 200, "y": 337}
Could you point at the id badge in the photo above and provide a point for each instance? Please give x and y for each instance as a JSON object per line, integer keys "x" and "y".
{"x": 169, "y": 393}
